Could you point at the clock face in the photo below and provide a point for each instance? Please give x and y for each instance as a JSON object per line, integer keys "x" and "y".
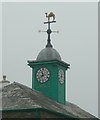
{"x": 43, "y": 75}
{"x": 61, "y": 76}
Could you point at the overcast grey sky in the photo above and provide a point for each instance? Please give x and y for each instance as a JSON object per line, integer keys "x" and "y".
{"x": 77, "y": 44}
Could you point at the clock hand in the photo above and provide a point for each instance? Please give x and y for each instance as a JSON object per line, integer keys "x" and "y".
{"x": 42, "y": 74}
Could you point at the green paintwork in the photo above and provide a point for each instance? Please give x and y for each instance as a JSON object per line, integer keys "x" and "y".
{"x": 52, "y": 88}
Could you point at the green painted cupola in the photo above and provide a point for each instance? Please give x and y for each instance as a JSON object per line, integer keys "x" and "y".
{"x": 48, "y": 70}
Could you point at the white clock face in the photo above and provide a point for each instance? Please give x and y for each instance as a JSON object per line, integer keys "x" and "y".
{"x": 61, "y": 76}
{"x": 43, "y": 75}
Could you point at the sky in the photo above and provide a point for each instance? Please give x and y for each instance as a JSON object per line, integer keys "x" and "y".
{"x": 77, "y": 43}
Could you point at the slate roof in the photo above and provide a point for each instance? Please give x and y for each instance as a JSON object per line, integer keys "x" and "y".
{"x": 18, "y": 96}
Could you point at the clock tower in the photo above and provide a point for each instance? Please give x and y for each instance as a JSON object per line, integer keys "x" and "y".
{"x": 48, "y": 70}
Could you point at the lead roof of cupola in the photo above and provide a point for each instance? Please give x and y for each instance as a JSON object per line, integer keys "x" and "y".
{"x": 48, "y": 53}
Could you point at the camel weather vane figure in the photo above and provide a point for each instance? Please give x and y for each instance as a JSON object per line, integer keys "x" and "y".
{"x": 49, "y": 31}
{"x": 51, "y": 14}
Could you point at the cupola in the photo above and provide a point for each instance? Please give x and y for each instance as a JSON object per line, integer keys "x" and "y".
{"x": 48, "y": 70}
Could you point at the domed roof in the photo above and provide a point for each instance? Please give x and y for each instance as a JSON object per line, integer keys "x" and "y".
{"x": 48, "y": 53}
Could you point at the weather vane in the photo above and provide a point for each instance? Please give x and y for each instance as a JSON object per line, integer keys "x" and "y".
{"x": 49, "y": 31}
{"x": 51, "y": 14}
